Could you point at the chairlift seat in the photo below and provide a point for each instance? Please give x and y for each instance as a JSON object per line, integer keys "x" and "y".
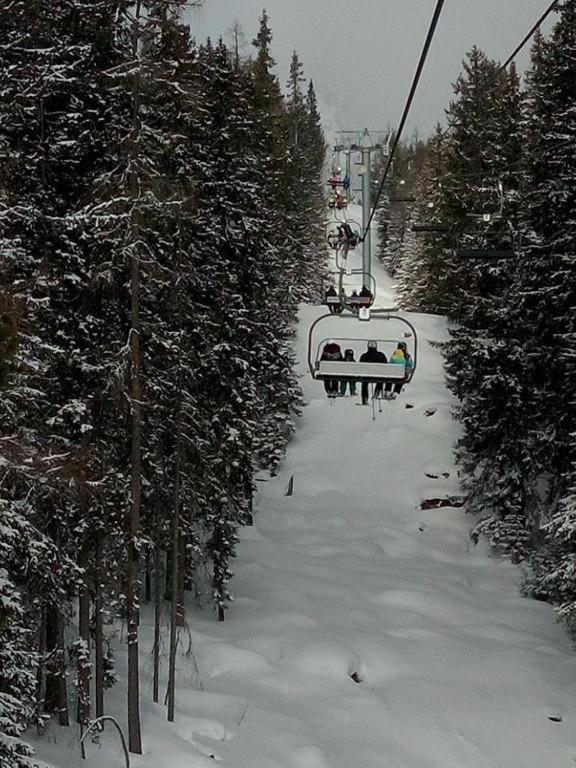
{"x": 352, "y": 371}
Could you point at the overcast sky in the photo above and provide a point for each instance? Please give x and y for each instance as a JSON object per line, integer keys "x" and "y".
{"x": 362, "y": 54}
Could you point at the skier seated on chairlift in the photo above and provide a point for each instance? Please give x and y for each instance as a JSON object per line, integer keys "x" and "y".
{"x": 353, "y": 299}
{"x": 333, "y": 240}
{"x": 331, "y": 299}
{"x": 346, "y": 182}
{"x": 331, "y": 352}
{"x": 340, "y": 201}
{"x": 348, "y": 358}
{"x": 366, "y": 297}
{"x": 400, "y": 356}
{"x": 372, "y": 355}
{"x": 335, "y": 180}
{"x": 332, "y": 201}
{"x": 349, "y": 234}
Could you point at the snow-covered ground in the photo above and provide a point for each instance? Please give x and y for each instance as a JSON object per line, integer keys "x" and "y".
{"x": 366, "y": 632}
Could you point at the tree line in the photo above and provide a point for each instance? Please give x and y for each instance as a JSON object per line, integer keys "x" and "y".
{"x": 160, "y": 220}
{"x": 511, "y": 360}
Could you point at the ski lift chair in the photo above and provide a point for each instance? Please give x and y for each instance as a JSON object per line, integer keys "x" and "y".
{"x": 323, "y": 370}
{"x": 493, "y": 231}
{"x": 495, "y": 244}
{"x": 354, "y": 303}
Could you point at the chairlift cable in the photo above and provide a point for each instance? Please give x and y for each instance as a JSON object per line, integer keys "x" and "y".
{"x": 530, "y": 34}
{"x": 518, "y": 48}
{"x": 408, "y": 105}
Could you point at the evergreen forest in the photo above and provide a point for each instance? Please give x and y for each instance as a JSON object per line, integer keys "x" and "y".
{"x": 478, "y": 223}
{"x": 162, "y": 206}
{"x": 160, "y": 220}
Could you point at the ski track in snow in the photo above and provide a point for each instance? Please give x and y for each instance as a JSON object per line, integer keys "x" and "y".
{"x": 365, "y": 631}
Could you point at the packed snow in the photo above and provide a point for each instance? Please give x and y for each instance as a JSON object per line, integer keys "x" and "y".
{"x": 366, "y": 631}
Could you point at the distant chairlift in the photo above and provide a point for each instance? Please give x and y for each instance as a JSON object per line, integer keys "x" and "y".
{"x": 359, "y": 298}
{"x": 498, "y": 241}
{"x": 499, "y": 244}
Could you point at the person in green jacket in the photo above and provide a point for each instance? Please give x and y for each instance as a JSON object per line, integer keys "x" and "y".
{"x": 348, "y": 358}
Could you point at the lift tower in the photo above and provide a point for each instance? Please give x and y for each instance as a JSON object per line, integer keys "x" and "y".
{"x": 361, "y": 142}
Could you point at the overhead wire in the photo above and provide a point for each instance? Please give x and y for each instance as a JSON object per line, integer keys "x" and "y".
{"x": 415, "y": 81}
{"x": 423, "y": 57}
{"x": 530, "y": 34}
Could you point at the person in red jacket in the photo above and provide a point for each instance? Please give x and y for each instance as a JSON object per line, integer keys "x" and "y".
{"x": 332, "y": 352}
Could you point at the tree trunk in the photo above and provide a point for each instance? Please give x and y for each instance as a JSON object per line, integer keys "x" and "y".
{"x": 181, "y": 565}
{"x": 157, "y": 613}
{"x": 98, "y": 633}
{"x": 133, "y": 518}
{"x": 41, "y": 653}
{"x": 83, "y": 713}
{"x": 83, "y": 679}
{"x": 176, "y": 539}
{"x": 148, "y": 580}
{"x": 249, "y": 492}
{"x": 133, "y": 514}
{"x": 188, "y": 580}
{"x": 168, "y": 572}
{"x": 56, "y": 698}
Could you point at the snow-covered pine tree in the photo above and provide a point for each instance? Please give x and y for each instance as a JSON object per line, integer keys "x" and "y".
{"x": 152, "y": 259}
{"x": 7, "y": 337}
{"x": 302, "y": 199}
{"x": 30, "y": 577}
{"x": 420, "y": 282}
{"x": 546, "y": 292}
{"x": 485, "y": 357}
{"x": 51, "y": 143}
{"x": 239, "y": 262}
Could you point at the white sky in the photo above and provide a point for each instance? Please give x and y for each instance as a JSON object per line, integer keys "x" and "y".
{"x": 362, "y": 55}
{"x": 349, "y": 576}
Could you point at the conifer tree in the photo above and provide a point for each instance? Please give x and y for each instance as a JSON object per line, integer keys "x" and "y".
{"x": 420, "y": 282}
{"x": 143, "y": 233}
{"x": 546, "y": 291}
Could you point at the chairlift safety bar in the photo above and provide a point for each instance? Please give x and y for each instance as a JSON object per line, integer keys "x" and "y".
{"x": 336, "y": 369}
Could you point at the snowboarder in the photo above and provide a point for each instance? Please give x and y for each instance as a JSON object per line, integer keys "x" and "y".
{"x": 372, "y": 355}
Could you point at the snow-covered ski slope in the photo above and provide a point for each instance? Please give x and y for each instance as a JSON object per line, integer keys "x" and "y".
{"x": 349, "y": 578}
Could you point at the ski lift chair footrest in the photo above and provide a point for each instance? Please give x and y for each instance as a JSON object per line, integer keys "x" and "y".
{"x": 328, "y": 369}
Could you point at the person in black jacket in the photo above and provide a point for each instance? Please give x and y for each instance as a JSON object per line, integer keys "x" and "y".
{"x": 331, "y": 300}
{"x": 372, "y": 355}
